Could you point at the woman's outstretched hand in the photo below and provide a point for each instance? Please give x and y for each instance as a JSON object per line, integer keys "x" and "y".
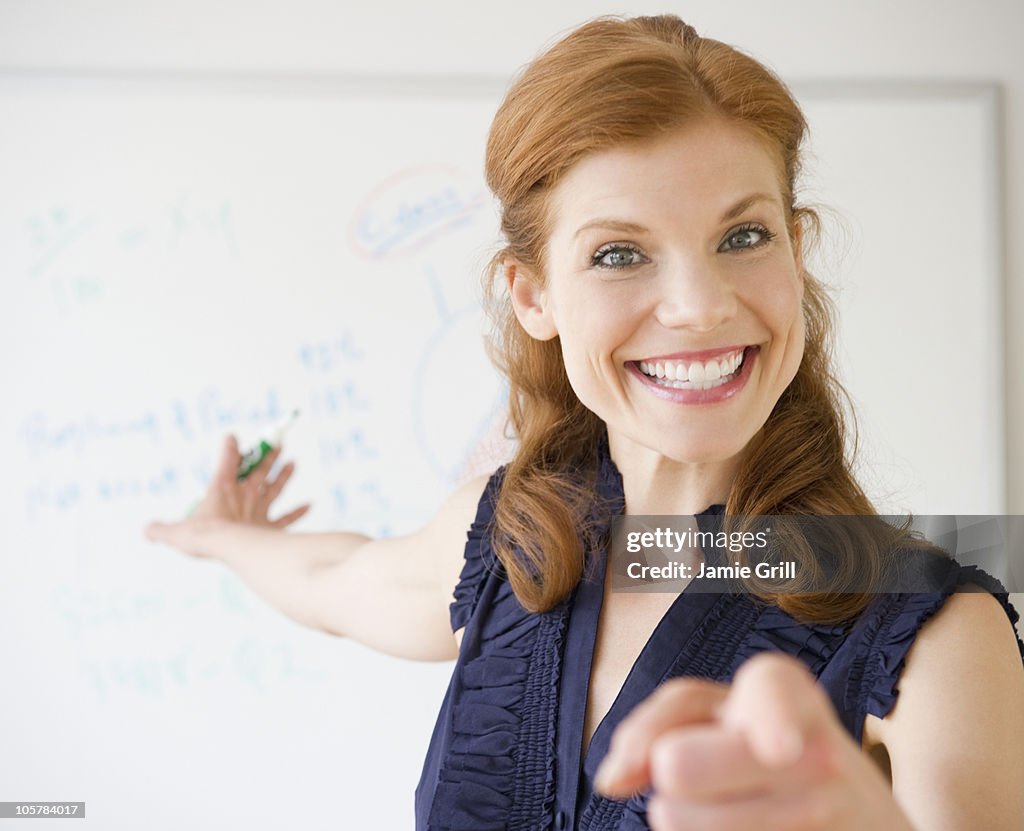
{"x": 228, "y": 500}
{"x": 765, "y": 752}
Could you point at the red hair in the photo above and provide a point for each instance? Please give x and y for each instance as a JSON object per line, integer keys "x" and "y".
{"x": 613, "y": 81}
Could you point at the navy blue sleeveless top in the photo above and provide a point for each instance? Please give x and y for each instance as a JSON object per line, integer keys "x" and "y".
{"x": 505, "y": 752}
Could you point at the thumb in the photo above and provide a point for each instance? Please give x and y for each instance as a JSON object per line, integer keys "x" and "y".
{"x": 190, "y": 537}
{"x": 157, "y": 531}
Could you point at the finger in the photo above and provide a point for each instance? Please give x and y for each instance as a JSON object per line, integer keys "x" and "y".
{"x": 156, "y": 532}
{"x": 170, "y": 533}
{"x": 695, "y": 762}
{"x": 778, "y": 705}
{"x": 716, "y": 762}
{"x": 676, "y": 703}
{"x": 256, "y": 480}
{"x": 230, "y": 459}
{"x": 291, "y": 516}
{"x": 267, "y": 463}
{"x": 274, "y": 488}
{"x": 191, "y": 536}
{"x": 770, "y": 812}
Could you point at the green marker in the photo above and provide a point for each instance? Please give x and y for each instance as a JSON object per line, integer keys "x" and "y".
{"x": 252, "y": 457}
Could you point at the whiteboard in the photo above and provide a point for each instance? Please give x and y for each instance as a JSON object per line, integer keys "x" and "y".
{"x": 183, "y": 257}
{"x": 910, "y": 174}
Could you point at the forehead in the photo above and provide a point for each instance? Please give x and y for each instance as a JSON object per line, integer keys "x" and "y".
{"x": 694, "y": 170}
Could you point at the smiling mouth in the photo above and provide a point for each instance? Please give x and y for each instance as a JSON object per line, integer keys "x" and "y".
{"x": 695, "y": 375}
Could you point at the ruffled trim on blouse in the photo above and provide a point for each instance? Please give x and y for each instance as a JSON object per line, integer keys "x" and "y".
{"x": 497, "y": 773}
{"x": 890, "y": 630}
{"x": 777, "y": 631}
{"x": 498, "y": 765}
{"x": 478, "y": 557}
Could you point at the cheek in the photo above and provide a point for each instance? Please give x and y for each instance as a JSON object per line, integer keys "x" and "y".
{"x": 795, "y": 348}
{"x": 592, "y": 331}
{"x": 779, "y": 304}
{"x": 593, "y": 324}
{"x": 791, "y": 331}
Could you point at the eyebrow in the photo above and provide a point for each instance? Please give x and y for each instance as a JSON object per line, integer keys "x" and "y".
{"x": 633, "y": 228}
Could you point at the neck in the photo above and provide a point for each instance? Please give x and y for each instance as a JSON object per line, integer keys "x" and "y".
{"x": 653, "y": 483}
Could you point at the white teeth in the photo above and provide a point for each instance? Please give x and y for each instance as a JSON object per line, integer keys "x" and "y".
{"x": 696, "y": 375}
{"x": 685, "y": 385}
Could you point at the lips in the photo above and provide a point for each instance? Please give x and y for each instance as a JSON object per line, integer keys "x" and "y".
{"x": 682, "y": 393}
{"x": 703, "y": 355}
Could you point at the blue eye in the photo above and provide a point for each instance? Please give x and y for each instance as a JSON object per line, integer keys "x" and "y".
{"x": 616, "y": 256}
{"x": 744, "y": 234}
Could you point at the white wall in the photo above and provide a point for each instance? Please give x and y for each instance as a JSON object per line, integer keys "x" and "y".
{"x": 877, "y": 39}
{"x": 803, "y": 41}
{"x": 935, "y": 40}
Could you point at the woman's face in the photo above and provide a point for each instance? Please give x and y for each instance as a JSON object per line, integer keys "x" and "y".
{"x": 662, "y": 274}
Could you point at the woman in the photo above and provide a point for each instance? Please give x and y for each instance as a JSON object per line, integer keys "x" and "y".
{"x": 667, "y": 354}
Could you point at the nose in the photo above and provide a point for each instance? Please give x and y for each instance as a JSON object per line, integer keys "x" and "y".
{"x": 694, "y": 296}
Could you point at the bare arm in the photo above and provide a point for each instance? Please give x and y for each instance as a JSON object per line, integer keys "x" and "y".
{"x": 391, "y": 594}
{"x": 956, "y": 734}
{"x": 394, "y": 594}
{"x": 276, "y": 564}
{"x": 769, "y": 751}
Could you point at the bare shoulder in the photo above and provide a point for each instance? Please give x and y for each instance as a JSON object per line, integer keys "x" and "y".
{"x": 458, "y": 511}
{"x": 968, "y": 647}
{"x": 953, "y": 734}
{"x": 971, "y": 630}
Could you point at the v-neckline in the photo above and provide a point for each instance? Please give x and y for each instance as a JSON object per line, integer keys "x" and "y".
{"x": 584, "y": 753}
{"x": 641, "y": 664}
{"x": 655, "y": 660}
{"x": 610, "y": 488}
